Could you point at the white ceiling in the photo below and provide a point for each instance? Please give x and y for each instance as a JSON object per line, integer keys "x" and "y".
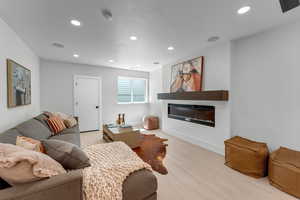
{"x": 184, "y": 24}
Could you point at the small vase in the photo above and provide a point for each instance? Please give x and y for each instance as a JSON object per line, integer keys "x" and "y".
{"x": 123, "y": 119}
{"x": 118, "y": 121}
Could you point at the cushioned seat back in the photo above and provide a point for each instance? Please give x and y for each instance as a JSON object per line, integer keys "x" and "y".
{"x": 34, "y": 129}
{"x": 43, "y": 119}
{"x": 73, "y": 130}
{"x": 9, "y": 136}
{"x": 71, "y": 138}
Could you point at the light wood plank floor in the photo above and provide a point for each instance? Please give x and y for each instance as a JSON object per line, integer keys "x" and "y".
{"x": 198, "y": 174}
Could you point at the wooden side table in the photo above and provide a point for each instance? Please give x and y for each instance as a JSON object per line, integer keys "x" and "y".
{"x": 130, "y": 136}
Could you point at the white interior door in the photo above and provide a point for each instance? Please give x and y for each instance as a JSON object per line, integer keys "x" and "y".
{"x": 87, "y": 92}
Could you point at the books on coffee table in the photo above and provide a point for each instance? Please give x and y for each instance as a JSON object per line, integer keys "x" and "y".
{"x": 119, "y": 126}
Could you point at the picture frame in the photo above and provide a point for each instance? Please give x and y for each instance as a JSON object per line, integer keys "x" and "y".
{"x": 18, "y": 85}
{"x": 187, "y": 76}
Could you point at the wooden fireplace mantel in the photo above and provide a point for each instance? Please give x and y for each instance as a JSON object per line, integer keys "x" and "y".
{"x": 210, "y": 95}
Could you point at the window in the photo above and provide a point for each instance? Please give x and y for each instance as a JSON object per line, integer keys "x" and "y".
{"x": 132, "y": 90}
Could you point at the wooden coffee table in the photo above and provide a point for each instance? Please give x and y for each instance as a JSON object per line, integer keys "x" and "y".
{"x": 128, "y": 135}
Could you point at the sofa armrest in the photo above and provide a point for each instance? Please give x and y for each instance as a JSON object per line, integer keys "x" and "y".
{"x": 66, "y": 186}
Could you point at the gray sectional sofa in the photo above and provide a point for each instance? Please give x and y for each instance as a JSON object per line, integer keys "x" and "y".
{"x": 140, "y": 185}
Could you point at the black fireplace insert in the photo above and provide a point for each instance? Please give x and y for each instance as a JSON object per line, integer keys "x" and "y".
{"x": 199, "y": 114}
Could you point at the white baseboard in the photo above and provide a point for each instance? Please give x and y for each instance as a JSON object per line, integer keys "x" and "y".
{"x": 212, "y": 147}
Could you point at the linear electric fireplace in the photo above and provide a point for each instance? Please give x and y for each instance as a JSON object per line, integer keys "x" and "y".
{"x": 193, "y": 113}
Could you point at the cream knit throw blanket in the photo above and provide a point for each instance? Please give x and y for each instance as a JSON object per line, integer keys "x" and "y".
{"x": 110, "y": 165}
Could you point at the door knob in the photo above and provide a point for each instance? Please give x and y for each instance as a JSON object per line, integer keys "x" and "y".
{"x": 97, "y": 107}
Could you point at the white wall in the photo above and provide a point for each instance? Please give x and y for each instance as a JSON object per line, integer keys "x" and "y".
{"x": 216, "y": 77}
{"x": 57, "y": 89}
{"x": 12, "y": 47}
{"x": 262, "y": 73}
{"x": 266, "y": 87}
{"x": 155, "y": 87}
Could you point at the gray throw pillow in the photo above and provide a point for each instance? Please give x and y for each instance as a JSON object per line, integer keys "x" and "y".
{"x": 34, "y": 129}
{"x": 68, "y": 155}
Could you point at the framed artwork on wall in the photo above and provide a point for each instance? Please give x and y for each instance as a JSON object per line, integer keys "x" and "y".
{"x": 187, "y": 76}
{"x": 18, "y": 85}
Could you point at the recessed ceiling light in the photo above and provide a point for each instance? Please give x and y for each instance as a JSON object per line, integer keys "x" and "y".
{"x": 58, "y": 45}
{"x": 170, "y": 48}
{"x": 75, "y": 22}
{"x": 75, "y": 55}
{"x": 213, "y": 39}
{"x": 111, "y": 61}
{"x": 244, "y": 10}
{"x": 133, "y": 37}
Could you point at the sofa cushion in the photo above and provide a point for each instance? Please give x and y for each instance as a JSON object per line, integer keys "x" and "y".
{"x": 34, "y": 129}
{"x": 70, "y": 122}
{"x": 73, "y": 130}
{"x": 71, "y": 138}
{"x": 139, "y": 185}
{"x": 19, "y": 165}
{"x": 43, "y": 119}
{"x": 10, "y": 136}
{"x": 70, "y": 156}
{"x": 30, "y": 144}
{"x": 56, "y": 125}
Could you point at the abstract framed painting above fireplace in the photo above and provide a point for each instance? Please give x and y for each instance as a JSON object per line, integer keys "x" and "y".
{"x": 187, "y": 76}
{"x": 198, "y": 114}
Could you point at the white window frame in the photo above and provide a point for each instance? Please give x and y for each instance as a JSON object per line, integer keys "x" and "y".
{"x": 134, "y": 78}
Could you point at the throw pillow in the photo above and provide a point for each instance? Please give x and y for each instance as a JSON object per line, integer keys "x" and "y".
{"x": 48, "y": 114}
{"x": 68, "y": 155}
{"x": 19, "y": 165}
{"x": 30, "y": 144}
{"x": 56, "y": 124}
{"x": 43, "y": 119}
{"x": 63, "y": 116}
{"x": 70, "y": 122}
{"x": 34, "y": 129}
